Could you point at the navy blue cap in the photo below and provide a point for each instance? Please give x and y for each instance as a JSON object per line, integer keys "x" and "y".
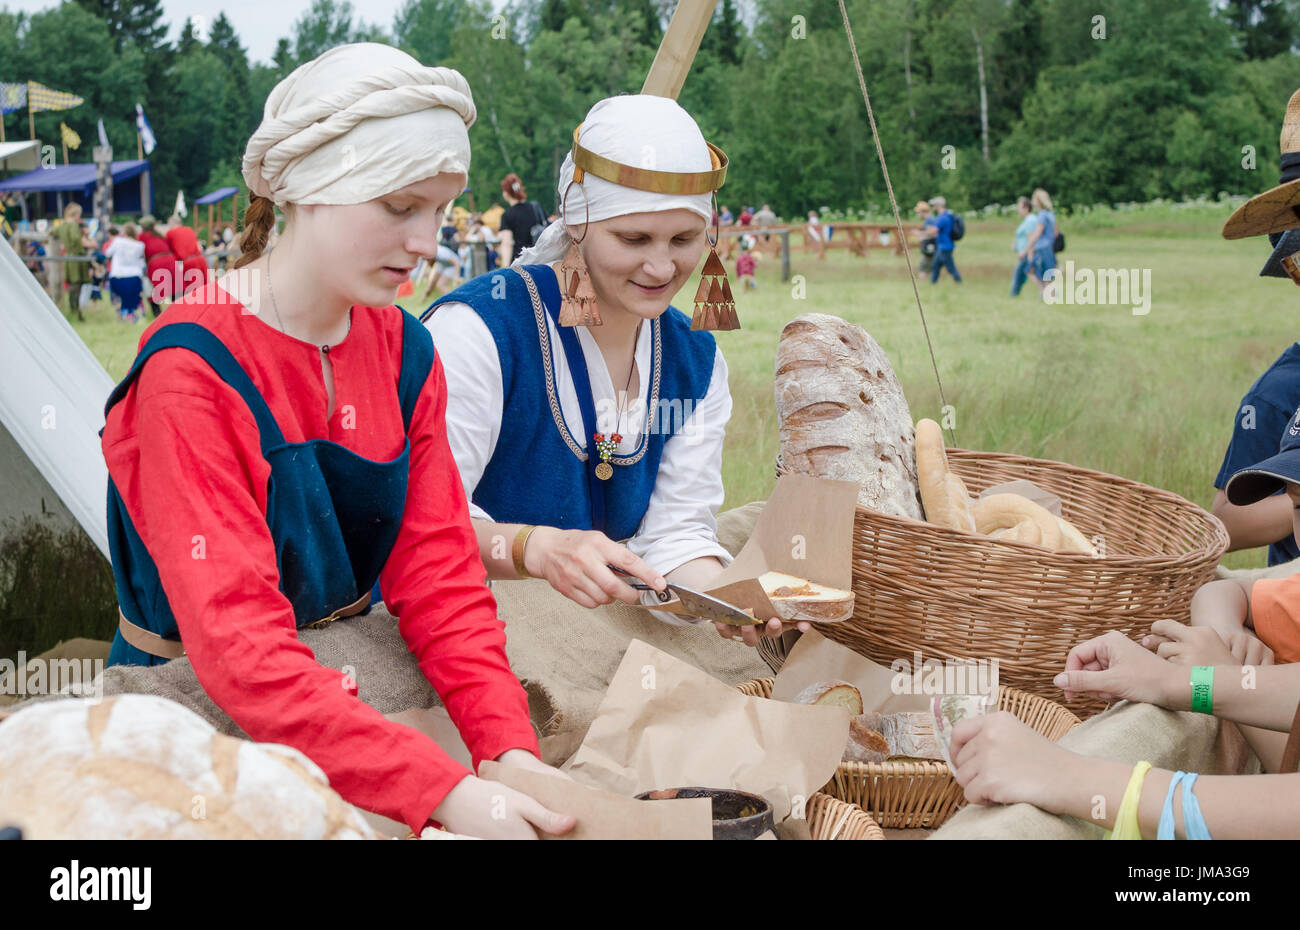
{"x": 1266, "y": 478}
{"x": 1287, "y": 243}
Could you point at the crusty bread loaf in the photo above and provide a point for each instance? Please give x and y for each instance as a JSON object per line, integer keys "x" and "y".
{"x": 141, "y": 767}
{"x": 832, "y": 693}
{"x": 943, "y": 494}
{"x": 842, "y": 412}
{"x": 797, "y": 598}
{"x": 866, "y": 743}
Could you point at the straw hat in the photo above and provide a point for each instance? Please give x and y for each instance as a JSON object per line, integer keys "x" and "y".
{"x": 1275, "y": 210}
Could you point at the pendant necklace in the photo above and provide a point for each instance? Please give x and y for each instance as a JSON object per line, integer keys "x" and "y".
{"x": 325, "y": 349}
{"x": 606, "y": 447}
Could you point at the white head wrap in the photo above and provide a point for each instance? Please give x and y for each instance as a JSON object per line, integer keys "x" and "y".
{"x": 635, "y": 129}
{"x": 358, "y": 122}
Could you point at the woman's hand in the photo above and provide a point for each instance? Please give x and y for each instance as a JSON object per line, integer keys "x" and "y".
{"x": 523, "y": 759}
{"x": 999, "y": 760}
{"x": 1205, "y": 645}
{"x": 490, "y": 810}
{"x": 576, "y": 563}
{"x": 751, "y": 634}
{"x": 1114, "y": 668}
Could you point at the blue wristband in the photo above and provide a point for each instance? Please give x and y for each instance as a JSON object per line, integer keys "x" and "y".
{"x": 1193, "y": 820}
{"x": 1165, "y": 831}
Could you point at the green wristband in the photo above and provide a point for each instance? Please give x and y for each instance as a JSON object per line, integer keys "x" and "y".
{"x": 1203, "y": 689}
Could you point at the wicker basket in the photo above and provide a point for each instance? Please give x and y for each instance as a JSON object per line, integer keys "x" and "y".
{"x": 923, "y": 793}
{"x": 950, "y": 594}
{"x": 832, "y": 819}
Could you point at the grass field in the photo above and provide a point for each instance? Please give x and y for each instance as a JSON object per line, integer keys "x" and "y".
{"x": 1149, "y": 397}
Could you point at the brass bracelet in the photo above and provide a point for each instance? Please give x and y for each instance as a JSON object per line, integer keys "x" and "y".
{"x": 517, "y": 550}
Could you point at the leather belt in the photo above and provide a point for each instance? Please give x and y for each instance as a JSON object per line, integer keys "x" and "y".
{"x": 155, "y": 645}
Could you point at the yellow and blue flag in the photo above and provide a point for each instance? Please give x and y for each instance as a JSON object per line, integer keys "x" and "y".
{"x": 41, "y": 98}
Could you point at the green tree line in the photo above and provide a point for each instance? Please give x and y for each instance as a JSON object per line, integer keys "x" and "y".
{"x": 979, "y": 100}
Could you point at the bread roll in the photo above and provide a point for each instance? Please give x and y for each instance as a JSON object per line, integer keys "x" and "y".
{"x": 842, "y": 413}
{"x": 1074, "y": 541}
{"x": 137, "y": 766}
{"x": 797, "y": 598}
{"x": 943, "y": 494}
{"x": 1017, "y": 518}
{"x": 833, "y": 694}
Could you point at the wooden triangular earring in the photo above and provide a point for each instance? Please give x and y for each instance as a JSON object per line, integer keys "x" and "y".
{"x": 577, "y": 297}
{"x": 715, "y": 307}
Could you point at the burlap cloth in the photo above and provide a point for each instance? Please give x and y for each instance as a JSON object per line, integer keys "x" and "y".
{"x": 564, "y": 654}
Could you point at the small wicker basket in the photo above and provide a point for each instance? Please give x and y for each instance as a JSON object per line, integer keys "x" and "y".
{"x": 923, "y": 793}
{"x": 954, "y": 595}
{"x": 832, "y": 819}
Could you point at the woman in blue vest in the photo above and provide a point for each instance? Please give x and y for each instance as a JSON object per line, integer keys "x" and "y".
{"x": 588, "y": 426}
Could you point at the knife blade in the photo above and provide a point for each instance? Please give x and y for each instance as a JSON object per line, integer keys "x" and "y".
{"x": 693, "y": 603}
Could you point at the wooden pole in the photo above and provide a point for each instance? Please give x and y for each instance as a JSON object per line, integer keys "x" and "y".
{"x": 677, "y": 50}
{"x": 65, "y": 153}
{"x": 139, "y": 146}
{"x": 31, "y": 123}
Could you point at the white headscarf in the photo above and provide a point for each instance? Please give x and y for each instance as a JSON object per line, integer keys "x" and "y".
{"x": 635, "y": 129}
{"x": 358, "y": 122}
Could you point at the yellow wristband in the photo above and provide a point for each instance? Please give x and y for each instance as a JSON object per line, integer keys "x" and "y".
{"x": 517, "y": 550}
{"x": 1126, "y": 821}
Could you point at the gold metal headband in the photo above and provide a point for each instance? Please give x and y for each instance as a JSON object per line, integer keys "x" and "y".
{"x": 586, "y": 161}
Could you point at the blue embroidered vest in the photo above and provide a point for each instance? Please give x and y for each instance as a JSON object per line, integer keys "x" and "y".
{"x": 538, "y": 472}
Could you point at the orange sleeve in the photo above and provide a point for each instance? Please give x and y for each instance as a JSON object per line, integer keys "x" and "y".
{"x": 1275, "y": 611}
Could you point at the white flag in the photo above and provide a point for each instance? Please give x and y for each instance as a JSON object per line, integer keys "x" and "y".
{"x": 180, "y": 204}
{"x": 103, "y": 136}
{"x": 142, "y": 126}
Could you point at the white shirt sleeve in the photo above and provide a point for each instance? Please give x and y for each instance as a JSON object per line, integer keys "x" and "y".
{"x": 475, "y": 396}
{"x": 680, "y": 522}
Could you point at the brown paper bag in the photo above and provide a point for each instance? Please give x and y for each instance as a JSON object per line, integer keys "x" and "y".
{"x": 605, "y": 816}
{"x": 665, "y": 724}
{"x": 805, "y": 530}
{"x": 815, "y": 658}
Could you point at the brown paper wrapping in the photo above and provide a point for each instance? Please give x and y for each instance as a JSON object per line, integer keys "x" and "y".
{"x": 665, "y": 724}
{"x": 815, "y": 658}
{"x": 604, "y": 816}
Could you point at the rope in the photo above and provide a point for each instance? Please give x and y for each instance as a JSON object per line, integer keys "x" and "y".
{"x": 898, "y": 220}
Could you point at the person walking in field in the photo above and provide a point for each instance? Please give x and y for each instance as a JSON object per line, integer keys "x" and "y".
{"x": 1028, "y": 221}
{"x": 942, "y": 230}
{"x": 1038, "y": 249}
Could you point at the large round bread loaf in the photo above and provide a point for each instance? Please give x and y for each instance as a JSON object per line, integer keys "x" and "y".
{"x": 142, "y": 767}
{"x": 842, "y": 412}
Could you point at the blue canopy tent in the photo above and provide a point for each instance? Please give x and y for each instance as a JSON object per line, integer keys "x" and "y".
{"x": 217, "y": 197}
{"x": 77, "y": 182}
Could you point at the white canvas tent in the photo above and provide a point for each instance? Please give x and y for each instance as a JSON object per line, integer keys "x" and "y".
{"x": 52, "y": 394}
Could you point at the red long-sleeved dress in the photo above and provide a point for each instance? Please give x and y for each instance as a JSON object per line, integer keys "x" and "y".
{"x": 183, "y": 451}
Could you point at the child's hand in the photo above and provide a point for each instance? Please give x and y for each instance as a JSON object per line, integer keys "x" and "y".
{"x": 1114, "y": 668}
{"x": 1203, "y": 645}
{"x": 999, "y": 760}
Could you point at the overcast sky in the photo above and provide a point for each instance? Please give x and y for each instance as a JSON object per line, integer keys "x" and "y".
{"x": 259, "y": 23}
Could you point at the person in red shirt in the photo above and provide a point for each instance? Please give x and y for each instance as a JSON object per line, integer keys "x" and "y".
{"x": 279, "y": 446}
{"x": 184, "y": 244}
{"x": 159, "y": 262}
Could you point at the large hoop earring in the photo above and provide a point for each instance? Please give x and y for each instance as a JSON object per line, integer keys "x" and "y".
{"x": 586, "y": 206}
{"x": 715, "y": 307}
